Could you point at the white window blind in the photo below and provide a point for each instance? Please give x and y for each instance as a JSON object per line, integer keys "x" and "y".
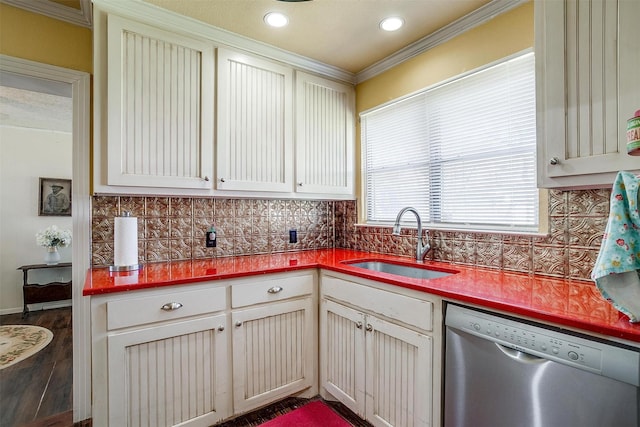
{"x": 461, "y": 153}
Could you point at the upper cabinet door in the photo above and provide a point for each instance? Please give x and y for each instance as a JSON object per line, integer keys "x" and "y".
{"x": 255, "y": 125}
{"x": 587, "y": 66}
{"x": 160, "y": 107}
{"x": 324, "y": 136}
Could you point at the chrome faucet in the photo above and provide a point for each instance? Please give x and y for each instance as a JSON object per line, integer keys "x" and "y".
{"x": 422, "y": 246}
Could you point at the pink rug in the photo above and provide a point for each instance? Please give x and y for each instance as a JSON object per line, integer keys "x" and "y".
{"x": 314, "y": 414}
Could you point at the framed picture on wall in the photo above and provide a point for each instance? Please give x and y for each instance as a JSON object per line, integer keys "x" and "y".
{"x": 55, "y": 197}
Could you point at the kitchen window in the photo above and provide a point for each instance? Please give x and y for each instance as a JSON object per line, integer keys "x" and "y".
{"x": 461, "y": 152}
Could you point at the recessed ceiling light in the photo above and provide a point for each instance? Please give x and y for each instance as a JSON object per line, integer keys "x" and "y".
{"x": 276, "y": 19}
{"x": 392, "y": 23}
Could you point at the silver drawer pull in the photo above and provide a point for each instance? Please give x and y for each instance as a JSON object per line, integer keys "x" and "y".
{"x": 369, "y": 328}
{"x": 359, "y": 325}
{"x": 274, "y": 290}
{"x": 170, "y": 306}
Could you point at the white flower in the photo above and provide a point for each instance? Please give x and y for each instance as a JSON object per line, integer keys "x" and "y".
{"x": 53, "y": 236}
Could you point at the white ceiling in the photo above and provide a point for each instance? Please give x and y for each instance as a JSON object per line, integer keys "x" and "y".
{"x": 341, "y": 33}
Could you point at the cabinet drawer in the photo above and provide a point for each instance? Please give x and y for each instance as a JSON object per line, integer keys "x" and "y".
{"x": 148, "y": 309}
{"x": 409, "y": 310}
{"x": 267, "y": 290}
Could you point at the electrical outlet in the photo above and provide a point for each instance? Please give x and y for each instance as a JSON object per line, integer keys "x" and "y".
{"x": 211, "y": 241}
{"x": 293, "y": 236}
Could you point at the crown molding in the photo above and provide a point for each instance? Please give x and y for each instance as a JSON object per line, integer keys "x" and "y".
{"x": 154, "y": 15}
{"x": 82, "y": 17}
{"x": 151, "y": 14}
{"x": 473, "y": 19}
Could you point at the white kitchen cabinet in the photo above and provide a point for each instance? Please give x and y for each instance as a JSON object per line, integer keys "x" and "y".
{"x": 177, "y": 112}
{"x": 169, "y": 375}
{"x": 160, "y": 358}
{"x": 255, "y": 124}
{"x": 376, "y": 353}
{"x": 160, "y": 109}
{"x": 343, "y": 345}
{"x": 324, "y": 136}
{"x": 274, "y": 336}
{"x": 587, "y": 62}
{"x": 256, "y": 148}
{"x": 272, "y": 352}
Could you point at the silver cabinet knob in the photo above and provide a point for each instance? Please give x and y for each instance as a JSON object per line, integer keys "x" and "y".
{"x": 554, "y": 161}
{"x": 220, "y": 328}
{"x": 359, "y": 325}
{"x": 221, "y": 179}
{"x": 238, "y": 324}
{"x": 206, "y": 178}
{"x": 274, "y": 290}
{"x": 299, "y": 184}
{"x": 171, "y": 306}
{"x": 369, "y": 327}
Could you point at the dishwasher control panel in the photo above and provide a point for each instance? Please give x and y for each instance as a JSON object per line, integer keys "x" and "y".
{"x": 525, "y": 338}
{"x": 594, "y": 356}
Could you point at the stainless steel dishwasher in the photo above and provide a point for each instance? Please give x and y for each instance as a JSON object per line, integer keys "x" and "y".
{"x": 502, "y": 372}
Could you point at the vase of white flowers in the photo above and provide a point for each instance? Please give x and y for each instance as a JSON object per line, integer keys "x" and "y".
{"x": 52, "y": 256}
{"x": 52, "y": 238}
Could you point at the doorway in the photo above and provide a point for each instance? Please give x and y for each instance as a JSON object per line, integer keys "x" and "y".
{"x": 79, "y": 83}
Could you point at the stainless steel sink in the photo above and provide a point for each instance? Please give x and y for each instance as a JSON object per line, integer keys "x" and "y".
{"x": 401, "y": 270}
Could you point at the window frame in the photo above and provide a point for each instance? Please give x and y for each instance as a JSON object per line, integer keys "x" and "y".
{"x": 541, "y": 214}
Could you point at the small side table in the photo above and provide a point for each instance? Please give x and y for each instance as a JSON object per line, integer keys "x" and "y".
{"x": 37, "y": 293}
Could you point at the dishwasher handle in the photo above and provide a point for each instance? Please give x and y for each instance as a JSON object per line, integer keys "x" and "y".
{"x": 520, "y": 356}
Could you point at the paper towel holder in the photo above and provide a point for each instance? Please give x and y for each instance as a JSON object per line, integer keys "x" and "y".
{"x": 124, "y": 268}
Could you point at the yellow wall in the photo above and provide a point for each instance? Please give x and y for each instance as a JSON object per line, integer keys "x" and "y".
{"x": 39, "y": 38}
{"x": 504, "y": 35}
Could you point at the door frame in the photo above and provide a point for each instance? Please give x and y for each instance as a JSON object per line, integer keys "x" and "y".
{"x": 81, "y": 216}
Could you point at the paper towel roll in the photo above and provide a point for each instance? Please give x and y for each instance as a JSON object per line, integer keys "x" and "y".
{"x": 125, "y": 241}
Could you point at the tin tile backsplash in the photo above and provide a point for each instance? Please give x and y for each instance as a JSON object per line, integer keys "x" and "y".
{"x": 173, "y": 228}
{"x": 577, "y": 220}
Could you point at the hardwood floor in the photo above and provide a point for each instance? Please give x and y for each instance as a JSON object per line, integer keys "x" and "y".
{"x": 40, "y": 386}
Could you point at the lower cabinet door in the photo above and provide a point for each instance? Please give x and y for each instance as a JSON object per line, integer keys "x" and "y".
{"x": 174, "y": 374}
{"x": 398, "y": 375}
{"x": 342, "y": 354}
{"x": 273, "y": 352}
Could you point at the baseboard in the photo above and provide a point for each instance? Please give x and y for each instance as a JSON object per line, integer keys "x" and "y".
{"x": 37, "y": 307}
{"x": 10, "y": 310}
{"x": 49, "y": 305}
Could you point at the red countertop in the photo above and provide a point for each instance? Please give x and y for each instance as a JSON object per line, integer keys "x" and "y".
{"x": 576, "y": 304}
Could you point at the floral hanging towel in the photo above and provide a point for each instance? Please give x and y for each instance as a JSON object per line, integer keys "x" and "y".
{"x": 617, "y": 269}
